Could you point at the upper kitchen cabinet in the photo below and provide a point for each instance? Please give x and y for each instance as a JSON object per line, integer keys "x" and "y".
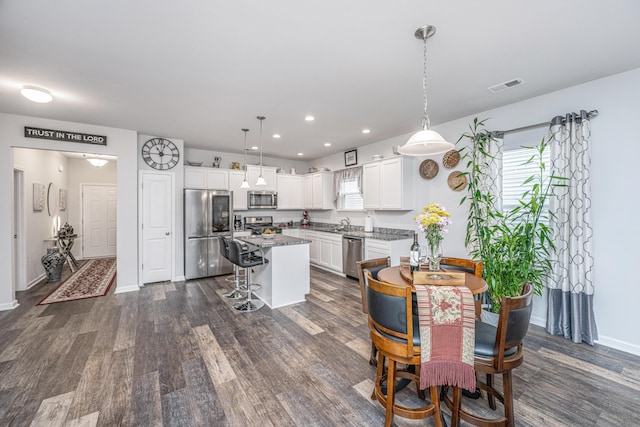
{"x": 388, "y": 184}
{"x": 269, "y": 175}
{"x": 318, "y": 190}
{"x": 239, "y": 194}
{"x": 207, "y": 178}
{"x": 290, "y": 191}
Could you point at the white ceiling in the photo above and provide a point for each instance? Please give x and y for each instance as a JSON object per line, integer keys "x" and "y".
{"x": 201, "y": 70}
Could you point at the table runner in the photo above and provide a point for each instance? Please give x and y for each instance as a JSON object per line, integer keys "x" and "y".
{"x": 447, "y": 334}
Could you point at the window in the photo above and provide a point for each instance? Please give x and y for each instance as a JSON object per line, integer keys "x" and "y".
{"x": 515, "y": 171}
{"x": 348, "y": 184}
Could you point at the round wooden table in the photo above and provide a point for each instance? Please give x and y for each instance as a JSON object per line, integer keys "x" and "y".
{"x": 476, "y": 285}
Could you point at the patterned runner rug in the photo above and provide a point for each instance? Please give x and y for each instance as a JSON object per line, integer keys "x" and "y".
{"x": 91, "y": 280}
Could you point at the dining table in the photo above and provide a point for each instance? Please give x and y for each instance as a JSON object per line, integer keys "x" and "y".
{"x": 401, "y": 275}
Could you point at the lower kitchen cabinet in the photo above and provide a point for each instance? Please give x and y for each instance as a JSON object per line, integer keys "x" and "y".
{"x": 387, "y": 248}
{"x": 325, "y": 250}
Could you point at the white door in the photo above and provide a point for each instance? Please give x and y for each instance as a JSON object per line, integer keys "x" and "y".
{"x": 18, "y": 231}
{"x": 157, "y": 227}
{"x": 98, "y": 221}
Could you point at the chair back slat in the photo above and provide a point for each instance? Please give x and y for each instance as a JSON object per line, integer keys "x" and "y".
{"x": 374, "y": 266}
{"x": 513, "y": 322}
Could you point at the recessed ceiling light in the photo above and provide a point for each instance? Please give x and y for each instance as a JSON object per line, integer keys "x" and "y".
{"x": 327, "y": 144}
{"x": 254, "y": 148}
{"x": 276, "y": 135}
{"x": 366, "y": 131}
{"x": 36, "y": 94}
{"x": 300, "y": 154}
{"x": 309, "y": 118}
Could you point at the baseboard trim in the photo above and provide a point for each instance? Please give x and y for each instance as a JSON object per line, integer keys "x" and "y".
{"x": 35, "y": 281}
{"x": 178, "y": 279}
{"x": 128, "y": 288}
{"x": 9, "y": 306}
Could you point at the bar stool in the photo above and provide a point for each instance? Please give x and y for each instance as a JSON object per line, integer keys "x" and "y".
{"x": 238, "y": 291}
{"x": 247, "y": 259}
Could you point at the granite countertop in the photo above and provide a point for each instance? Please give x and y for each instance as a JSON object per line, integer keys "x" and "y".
{"x": 277, "y": 240}
{"x": 387, "y": 234}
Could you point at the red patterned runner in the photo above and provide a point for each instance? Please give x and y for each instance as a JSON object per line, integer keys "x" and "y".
{"x": 447, "y": 334}
{"x": 91, "y": 280}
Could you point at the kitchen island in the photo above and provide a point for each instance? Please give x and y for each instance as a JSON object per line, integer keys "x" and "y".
{"x": 286, "y": 278}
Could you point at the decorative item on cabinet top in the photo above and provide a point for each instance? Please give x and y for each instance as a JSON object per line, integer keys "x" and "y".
{"x": 190, "y": 163}
{"x": 428, "y": 169}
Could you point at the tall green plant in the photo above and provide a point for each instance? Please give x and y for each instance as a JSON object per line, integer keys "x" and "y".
{"x": 514, "y": 246}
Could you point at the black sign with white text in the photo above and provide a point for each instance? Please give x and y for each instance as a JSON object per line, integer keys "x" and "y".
{"x": 63, "y": 135}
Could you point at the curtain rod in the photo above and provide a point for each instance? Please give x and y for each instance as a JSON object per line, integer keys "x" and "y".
{"x": 591, "y": 114}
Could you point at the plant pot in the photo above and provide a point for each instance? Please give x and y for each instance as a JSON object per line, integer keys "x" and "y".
{"x": 489, "y": 317}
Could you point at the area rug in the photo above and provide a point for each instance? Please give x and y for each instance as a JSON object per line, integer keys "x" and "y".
{"x": 92, "y": 279}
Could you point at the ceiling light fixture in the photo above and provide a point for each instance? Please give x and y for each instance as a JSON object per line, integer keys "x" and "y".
{"x": 276, "y": 135}
{"x": 245, "y": 183}
{"x": 365, "y": 131}
{"x": 300, "y": 154}
{"x": 327, "y": 144}
{"x": 36, "y": 94}
{"x": 425, "y": 142}
{"x": 261, "y": 181}
{"x": 309, "y": 118}
{"x": 97, "y": 162}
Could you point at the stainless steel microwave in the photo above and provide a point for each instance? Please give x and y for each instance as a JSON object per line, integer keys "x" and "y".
{"x": 262, "y": 199}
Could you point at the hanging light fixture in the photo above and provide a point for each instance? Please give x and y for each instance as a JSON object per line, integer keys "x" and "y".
{"x": 245, "y": 183}
{"x": 97, "y": 162}
{"x": 425, "y": 142}
{"x": 261, "y": 181}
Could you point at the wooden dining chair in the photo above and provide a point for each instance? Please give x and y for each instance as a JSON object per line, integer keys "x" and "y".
{"x": 392, "y": 329}
{"x": 498, "y": 350}
{"x": 374, "y": 266}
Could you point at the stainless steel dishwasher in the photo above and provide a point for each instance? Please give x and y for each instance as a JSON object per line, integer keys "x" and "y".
{"x": 352, "y": 252}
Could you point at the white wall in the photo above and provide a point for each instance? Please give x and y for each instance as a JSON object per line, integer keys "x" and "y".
{"x": 206, "y": 157}
{"x": 121, "y": 143}
{"x": 43, "y": 167}
{"x": 615, "y": 152}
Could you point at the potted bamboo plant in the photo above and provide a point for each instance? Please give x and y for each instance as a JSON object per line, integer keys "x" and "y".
{"x": 515, "y": 246}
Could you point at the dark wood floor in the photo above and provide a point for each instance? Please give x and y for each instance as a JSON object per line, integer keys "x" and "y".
{"x": 176, "y": 354}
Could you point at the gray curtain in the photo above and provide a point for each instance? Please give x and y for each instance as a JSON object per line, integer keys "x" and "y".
{"x": 570, "y": 311}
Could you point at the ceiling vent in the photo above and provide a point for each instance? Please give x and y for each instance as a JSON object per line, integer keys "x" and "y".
{"x": 505, "y": 85}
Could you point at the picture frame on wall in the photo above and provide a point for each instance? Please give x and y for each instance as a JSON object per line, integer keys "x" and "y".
{"x": 62, "y": 199}
{"x": 38, "y": 197}
{"x": 351, "y": 157}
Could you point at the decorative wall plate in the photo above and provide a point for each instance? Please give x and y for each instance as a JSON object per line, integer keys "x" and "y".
{"x": 428, "y": 169}
{"x": 450, "y": 159}
{"x": 456, "y": 181}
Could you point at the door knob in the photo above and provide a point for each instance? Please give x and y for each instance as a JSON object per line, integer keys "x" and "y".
{"x": 167, "y": 233}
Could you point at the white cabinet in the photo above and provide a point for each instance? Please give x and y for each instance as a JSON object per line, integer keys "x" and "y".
{"x": 207, "y": 178}
{"x": 293, "y": 232}
{"x": 239, "y": 194}
{"x": 325, "y": 250}
{"x": 269, "y": 175}
{"x": 290, "y": 191}
{"x": 387, "y": 248}
{"x": 318, "y": 190}
{"x": 388, "y": 184}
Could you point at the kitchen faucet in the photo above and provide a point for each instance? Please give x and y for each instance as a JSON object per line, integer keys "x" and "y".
{"x": 345, "y": 223}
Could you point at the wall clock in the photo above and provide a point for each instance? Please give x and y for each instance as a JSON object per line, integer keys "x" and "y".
{"x": 160, "y": 153}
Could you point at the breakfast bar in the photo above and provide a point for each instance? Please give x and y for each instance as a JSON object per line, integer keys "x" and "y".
{"x": 285, "y": 279}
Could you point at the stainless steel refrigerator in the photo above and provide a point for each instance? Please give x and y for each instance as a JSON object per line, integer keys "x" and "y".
{"x": 208, "y": 216}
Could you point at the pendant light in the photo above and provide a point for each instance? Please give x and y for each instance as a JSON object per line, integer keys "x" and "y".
{"x": 245, "y": 183}
{"x": 425, "y": 142}
{"x": 261, "y": 181}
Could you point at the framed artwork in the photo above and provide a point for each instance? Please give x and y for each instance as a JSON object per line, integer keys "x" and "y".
{"x": 62, "y": 199}
{"x": 38, "y": 196}
{"x": 351, "y": 157}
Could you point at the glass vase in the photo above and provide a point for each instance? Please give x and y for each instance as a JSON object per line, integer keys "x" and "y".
{"x": 434, "y": 255}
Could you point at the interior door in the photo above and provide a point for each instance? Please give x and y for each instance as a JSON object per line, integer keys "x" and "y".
{"x": 157, "y": 227}
{"x": 99, "y": 221}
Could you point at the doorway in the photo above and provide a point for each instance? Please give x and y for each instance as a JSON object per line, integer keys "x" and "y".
{"x": 19, "y": 282}
{"x": 98, "y": 221}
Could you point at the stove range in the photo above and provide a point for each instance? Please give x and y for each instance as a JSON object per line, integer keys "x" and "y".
{"x": 258, "y": 224}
